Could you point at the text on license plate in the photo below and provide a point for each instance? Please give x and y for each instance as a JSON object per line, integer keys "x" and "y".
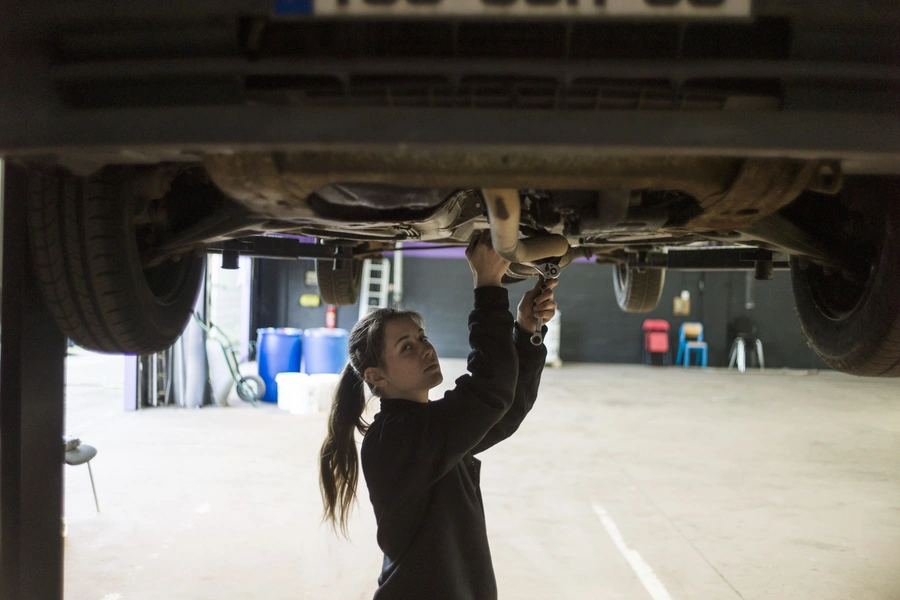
{"x": 515, "y": 8}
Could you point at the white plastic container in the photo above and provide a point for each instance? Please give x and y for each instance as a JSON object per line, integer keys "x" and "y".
{"x": 321, "y": 390}
{"x": 294, "y": 393}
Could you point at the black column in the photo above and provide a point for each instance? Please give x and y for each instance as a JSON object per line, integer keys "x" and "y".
{"x": 32, "y": 354}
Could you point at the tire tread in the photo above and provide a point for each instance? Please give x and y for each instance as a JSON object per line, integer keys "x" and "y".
{"x": 79, "y": 243}
{"x": 339, "y": 287}
{"x": 639, "y": 291}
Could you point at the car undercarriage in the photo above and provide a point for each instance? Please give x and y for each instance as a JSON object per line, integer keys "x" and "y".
{"x": 759, "y": 128}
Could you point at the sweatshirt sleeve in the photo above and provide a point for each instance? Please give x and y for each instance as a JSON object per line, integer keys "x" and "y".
{"x": 531, "y": 366}
{"x": 426, "y": 443}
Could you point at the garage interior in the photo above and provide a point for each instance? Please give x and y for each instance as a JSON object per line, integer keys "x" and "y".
{"x": 145, "y": 146}
{"x": 626, "y": 480}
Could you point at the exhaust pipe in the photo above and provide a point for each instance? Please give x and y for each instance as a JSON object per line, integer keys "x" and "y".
{"x": 504, "y": 209}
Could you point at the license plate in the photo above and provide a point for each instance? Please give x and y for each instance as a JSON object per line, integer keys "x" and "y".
{"x": 514, "y": 8}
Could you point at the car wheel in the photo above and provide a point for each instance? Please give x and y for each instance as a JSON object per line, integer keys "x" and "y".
{"x": 251, "y": 388}
{"x": 87, "y": 257}
{"x": 638, "y": 291}
{"x": 339, "y": 286}
{"x": 854, "y": 326}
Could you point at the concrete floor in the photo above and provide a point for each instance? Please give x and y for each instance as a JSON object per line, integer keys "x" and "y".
{"x": 626, "y": 482}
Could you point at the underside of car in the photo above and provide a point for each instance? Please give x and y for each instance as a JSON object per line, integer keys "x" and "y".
{"x": 152, "y": 137}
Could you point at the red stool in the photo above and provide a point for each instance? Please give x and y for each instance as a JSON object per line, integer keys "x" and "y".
{"x": 656, "y": 340}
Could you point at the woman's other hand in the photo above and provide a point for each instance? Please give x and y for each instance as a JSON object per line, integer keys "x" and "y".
{"x": 486, "y": 264}
{"x": 537, "y": 302}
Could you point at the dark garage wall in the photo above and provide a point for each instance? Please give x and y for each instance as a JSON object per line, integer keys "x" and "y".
{"x": 593, "y": 327}
{"x": 277, "y": 287}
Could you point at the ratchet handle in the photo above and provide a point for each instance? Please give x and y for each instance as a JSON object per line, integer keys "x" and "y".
{"x": 537, "y": 338}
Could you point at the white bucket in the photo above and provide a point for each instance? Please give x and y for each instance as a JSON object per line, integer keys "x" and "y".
{"x": 321, "y": 390}
{"x": 294, "y": 393}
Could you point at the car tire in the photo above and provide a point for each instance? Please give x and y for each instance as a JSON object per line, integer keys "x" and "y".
{"x": 340, "y": 286}
{"x": 855, "y": 327}
{"x": 88, "y": 262}
{"x": 251, "y": 388}
{"x": 638, "y": 291}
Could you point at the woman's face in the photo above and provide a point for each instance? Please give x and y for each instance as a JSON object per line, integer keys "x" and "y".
{"x": 411, "y": 368}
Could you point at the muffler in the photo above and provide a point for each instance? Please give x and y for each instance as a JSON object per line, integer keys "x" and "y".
{"x": 504, "y": 210}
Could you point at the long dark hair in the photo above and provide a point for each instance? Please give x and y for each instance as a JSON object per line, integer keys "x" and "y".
{"x": 338, "y": 458}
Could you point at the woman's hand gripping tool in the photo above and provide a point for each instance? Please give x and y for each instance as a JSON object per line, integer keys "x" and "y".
{"x": 547, "y": 270}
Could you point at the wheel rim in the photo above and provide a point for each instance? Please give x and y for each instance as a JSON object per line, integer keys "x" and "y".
{"x": 836, "y": 297}
{"x": 249, "y": 388}
{"x": 167, "y": 279}
{"x": 157, "y": 222}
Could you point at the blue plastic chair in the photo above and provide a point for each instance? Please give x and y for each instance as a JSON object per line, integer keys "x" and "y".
{"x": 690, "y": 339}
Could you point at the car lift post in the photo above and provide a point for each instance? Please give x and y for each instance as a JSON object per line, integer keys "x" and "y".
{"x": 32, "y": 362}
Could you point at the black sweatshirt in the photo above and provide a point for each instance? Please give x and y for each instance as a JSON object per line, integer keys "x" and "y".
{"x": 423, "y": 479}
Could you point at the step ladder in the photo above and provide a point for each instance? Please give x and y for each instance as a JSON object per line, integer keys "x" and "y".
{"x": 375, "y": 287}
{"x": 153, "y": 379}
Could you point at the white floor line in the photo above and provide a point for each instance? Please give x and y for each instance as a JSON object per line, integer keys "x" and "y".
{"x": 648, "y": 578}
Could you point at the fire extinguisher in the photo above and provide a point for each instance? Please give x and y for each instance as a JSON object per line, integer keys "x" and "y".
{"x": 330, "y": 317}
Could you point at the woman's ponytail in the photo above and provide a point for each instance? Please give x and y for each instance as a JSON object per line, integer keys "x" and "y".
{"x": 339, "y": 460}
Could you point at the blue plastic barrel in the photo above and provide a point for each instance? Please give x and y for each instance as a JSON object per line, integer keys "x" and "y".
{"x": 325, "y": 350}
{"x": 278, "y": 350}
